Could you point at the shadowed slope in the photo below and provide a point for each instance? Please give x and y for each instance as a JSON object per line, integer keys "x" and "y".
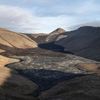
{"x": 80, "y": 88}
{"x": 12, "y": 85}
{"x": 39, "y": 38}
{"x": 84, "y": 42}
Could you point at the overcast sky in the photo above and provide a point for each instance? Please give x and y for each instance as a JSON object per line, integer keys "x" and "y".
{"x": 46, "y": 15}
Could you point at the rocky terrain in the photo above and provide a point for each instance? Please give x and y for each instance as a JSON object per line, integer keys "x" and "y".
{"x": 57, "y": 72}
{"x": 53, "y": 36}
{"x": 12, "y": 85}
{"x": 48, "y": 70}
{"x": 39, "y": 73}
{"x": 46, "y": 38}
{"x": 39, "y": 38}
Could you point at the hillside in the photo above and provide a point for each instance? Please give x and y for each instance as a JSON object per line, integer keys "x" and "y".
{"x": 11, "y": 40}
{"x": 84, "y": 42}
{"x": 47, "y": 72}
{"x": 45, "y": 38}
{"x": 12, "y": 85}
{"x": 55, "y": 34}
{"x": 39, "y": 37}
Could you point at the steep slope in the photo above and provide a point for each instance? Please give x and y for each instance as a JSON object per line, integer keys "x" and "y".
{"x": 45, "y": 38}
{"x": 80, "y": 88}
{"x": 15, "y": 40}
{"x": 39, "y": 37}
{"x": 54, "y": 35}
{"x": 84, "y": 41}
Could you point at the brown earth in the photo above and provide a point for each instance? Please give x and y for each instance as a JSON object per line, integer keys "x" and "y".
{"x": 5, "y": 60}
{"x": 93, "y": 68}
{"x": 15, "y": 40}
{"x": 1, "y": 50}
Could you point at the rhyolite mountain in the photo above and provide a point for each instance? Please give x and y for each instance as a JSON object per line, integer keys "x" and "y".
{"x": 55, "y": 34}
{"x": 84, "y": 42}
{"x": 11, "y": 41}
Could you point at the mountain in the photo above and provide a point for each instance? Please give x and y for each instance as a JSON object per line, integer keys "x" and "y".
{"x": 93, "y": 24}
{"x": 47, "y": 72}
{"x": 84, "y": 42}
{"x": 54, "y": 35}
{"x": 45, "y": 38}
{"x": 39, "y": 37}
{"x": 9, "y": 40}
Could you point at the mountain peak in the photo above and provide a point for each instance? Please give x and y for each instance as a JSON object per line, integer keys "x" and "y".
{"x": 59, "y": 30}
{"x": 53, "y": 35}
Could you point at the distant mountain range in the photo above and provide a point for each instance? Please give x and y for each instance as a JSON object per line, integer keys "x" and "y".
{"x": 85, "y": 41}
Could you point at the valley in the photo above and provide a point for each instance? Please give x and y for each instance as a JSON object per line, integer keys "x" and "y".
{"x": 45, "y": 71}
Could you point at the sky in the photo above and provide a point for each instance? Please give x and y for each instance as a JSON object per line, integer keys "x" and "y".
{"x": 33, "y": 16}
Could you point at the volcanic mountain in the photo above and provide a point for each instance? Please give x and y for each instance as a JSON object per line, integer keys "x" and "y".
{"x": 55, "y": 34}
{"x": 84, "y": 42}
{"x": 11, "y": 40}
{"x": 46, "y": 38}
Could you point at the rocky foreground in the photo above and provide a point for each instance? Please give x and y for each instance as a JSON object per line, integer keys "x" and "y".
{"x": 58, "y": 76}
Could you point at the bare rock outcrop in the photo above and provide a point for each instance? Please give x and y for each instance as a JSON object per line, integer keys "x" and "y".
{"x": 55, "y": 34}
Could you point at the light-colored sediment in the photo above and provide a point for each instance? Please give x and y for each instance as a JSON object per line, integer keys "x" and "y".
{"x": 5, "y": 60}
{"x": 5, "y": 72}
{"x": 11, "y": 40}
